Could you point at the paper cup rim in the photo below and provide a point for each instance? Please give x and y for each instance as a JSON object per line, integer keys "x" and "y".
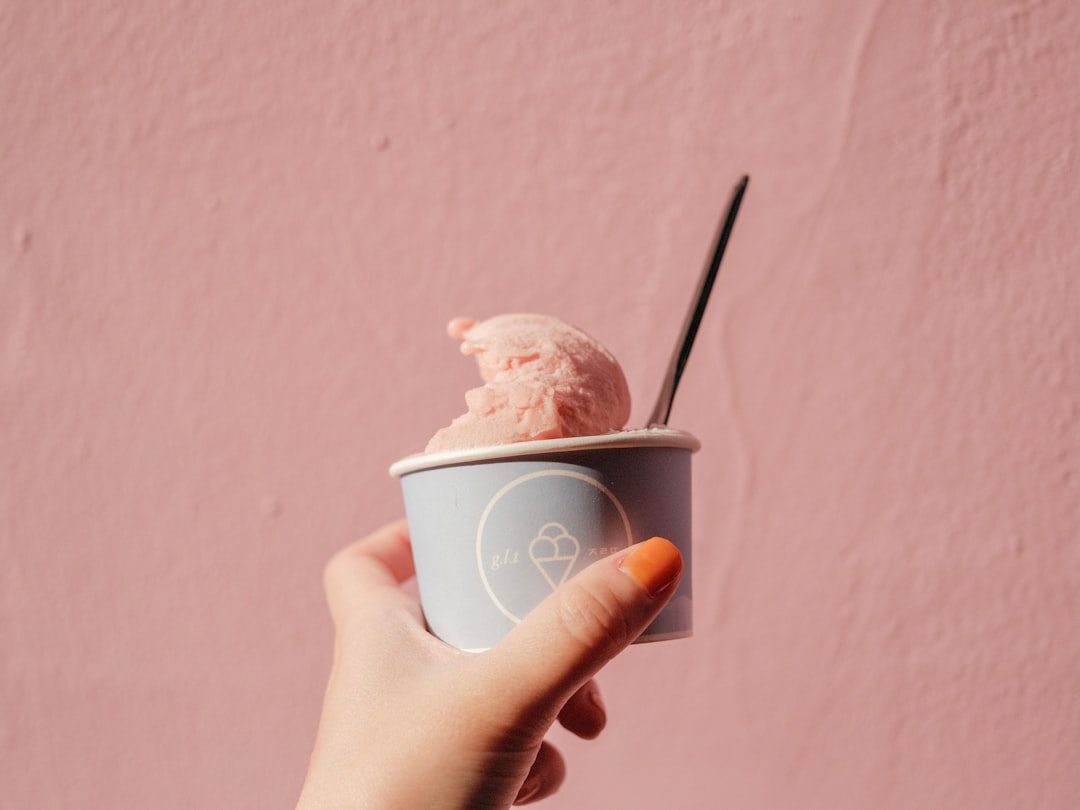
{"x": 641, "y": 437}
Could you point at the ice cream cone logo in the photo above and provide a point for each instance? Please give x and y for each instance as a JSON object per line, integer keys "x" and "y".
{"x": 554, "y": 551}
{"x": 522, "y": 555}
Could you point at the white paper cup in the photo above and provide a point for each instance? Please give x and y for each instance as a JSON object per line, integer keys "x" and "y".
{"x": 496, "y": 529}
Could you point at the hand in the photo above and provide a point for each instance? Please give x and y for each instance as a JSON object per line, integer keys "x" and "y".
{"x": 410, "y": 722}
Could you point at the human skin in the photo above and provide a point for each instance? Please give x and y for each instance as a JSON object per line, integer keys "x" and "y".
{"x": 410, "y": 722}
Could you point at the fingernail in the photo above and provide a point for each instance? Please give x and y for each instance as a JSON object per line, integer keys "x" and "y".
{"x": 654, "y": 564}
{"x": 529, "y": 788}
{"x": 596, "y": 700}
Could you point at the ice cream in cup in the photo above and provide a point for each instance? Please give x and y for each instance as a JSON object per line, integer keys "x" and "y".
{"x": 538, "y": 480}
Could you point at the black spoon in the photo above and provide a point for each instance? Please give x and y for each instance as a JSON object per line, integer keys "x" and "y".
{"x": 662, "y": 409}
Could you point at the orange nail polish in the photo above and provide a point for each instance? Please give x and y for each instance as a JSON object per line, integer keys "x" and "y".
{"x": 655, "y": 564}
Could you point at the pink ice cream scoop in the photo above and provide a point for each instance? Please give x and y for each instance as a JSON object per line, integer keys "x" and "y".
{"x": 543, "y": 379}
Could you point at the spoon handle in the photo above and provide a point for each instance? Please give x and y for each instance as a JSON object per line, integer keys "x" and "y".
{"x": 662, "y": 409}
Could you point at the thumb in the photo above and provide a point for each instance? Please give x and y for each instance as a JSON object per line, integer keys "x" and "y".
{"x": 585, "y": 623}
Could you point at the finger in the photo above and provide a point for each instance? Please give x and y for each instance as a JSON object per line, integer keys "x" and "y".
{"x": 584, "y": 713}
{"x": 374, "y": 566}
{"x": 545, "y": 776}
{"x": 585, "y": 623}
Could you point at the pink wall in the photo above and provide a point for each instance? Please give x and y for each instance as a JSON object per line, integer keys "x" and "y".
{"x": 232, "y": 233}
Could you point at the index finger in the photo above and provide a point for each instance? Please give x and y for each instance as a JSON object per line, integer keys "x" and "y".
{"x": 377, "y": 564}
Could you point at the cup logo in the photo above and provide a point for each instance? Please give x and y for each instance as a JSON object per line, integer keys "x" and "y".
{"x": 554, "y": 552}
{"x": 540, "y": 529}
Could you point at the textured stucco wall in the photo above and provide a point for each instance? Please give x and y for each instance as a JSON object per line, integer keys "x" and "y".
{"x": 232, "y": 233}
